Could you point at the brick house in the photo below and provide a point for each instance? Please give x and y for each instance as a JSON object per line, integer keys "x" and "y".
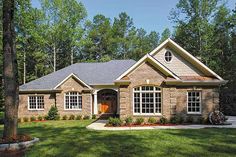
{"x": 164, "y": 82}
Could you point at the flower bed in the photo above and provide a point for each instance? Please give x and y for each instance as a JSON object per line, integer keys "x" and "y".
{"x": 141, "y": 125}
{"x": 17, "y": 143}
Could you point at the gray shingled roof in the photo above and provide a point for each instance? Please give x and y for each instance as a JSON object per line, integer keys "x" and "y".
{"x": 90, "y": 73}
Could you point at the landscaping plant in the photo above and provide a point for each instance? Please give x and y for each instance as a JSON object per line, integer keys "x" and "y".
{"x": 32, "y": 118}
{"x": 114, "y": 121}
{"x": 139, "y": 121}
{"x": 152, "y": 120}
{"x": 163, "y": 120}
{"x": 53, "y": 113}
{"x": 64, "y": 117}
{"x": 79, "y": 117}
{"x": 72, "y": 117}
{"x": 128, "y": 120}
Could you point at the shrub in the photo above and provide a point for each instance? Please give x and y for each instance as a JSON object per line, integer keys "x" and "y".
{"x": 139, "y": 121}
{"x": 94, "y": 116}
{"x": 128, "y": 120}
{"x": 163, "y": 120}
{"x": 53, "y": 114}
{"x": 32, "y": 118}
{"x": 114, "y": 121}
{"x": 178, "y": 119}
{"x": 40, "y": 118}
{"x": 78, "y": 117}
{"x": 64, "y": 117}
{"x": 72, "y": 117}
{"x": 19, "y": 120}
{"x": 25, "y": 119}
{"x": 151, "y": 120}
{"x": 201, "y": 120}
{"x": 86, "y": 117}
{"x": 189, "y": 119}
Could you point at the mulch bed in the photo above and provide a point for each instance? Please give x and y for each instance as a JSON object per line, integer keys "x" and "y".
{"x": 17, "y": 139}
{"x": 142, "y": 125}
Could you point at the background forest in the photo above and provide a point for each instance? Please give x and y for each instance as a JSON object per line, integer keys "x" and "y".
{"x": 59, "y": 34}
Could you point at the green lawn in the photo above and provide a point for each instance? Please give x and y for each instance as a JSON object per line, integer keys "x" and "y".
{"x": 71, "y": 138}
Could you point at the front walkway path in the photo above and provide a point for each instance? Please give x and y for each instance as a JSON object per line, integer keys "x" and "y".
{"x": 100, "y": 125}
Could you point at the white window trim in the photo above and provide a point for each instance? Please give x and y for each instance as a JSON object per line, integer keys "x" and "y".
{"x": 72, "y": 109}
{"x": 200, "y": 95}
{"x": 168, "y": 62}
{"x": 36, "y": 109}
{"x": 154, "y": 101}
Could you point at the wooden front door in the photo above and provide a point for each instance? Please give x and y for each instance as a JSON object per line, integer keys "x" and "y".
{"x": 107, "y": 101}
{"x": 106, "y": 107}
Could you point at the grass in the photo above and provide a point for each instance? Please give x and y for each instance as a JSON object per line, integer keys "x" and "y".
{"x": 71, "y": 138}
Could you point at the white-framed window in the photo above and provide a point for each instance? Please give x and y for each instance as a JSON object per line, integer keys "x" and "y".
{"x": 168, "y": 56}
{"x": 194, "y": 102}
{"x": 36, "y": 102}
{"x": 73, "y": 101}
{"x": 147, "y": 100}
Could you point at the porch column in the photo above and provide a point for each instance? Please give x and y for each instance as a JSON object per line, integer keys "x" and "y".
{"x": 95, "y": 102}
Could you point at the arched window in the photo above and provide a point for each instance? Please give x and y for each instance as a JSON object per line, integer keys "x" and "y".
{"x": 168, "y": 56}
{"x": 147, "y": 100}
{"x": 73, "y": 101}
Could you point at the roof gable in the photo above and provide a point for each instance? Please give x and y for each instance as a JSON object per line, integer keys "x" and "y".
{"x": 154, "y": 62}
{"x": 76, "y": 78}
{"x": 187, "y": 56}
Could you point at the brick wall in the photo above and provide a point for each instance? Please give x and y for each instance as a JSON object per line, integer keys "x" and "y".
{"x": 50, "y": 99}
{"x": 174, "y": 99}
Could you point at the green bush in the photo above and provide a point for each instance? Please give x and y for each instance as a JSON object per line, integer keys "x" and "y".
{"x": 32, "y": 118}
{"x": 25, "y": 119}
{"x": 1, "y": 117}
{"x": 86, "y": 117}
{"x": 114, "y": 121}
{"x": 94, "y": 116}
{"x": 53, "y": 114}
{"x": 40, "y": 118}
{"x": 128, "y": 120}
{"x": 64, "y": 117}
{"x": 163, "y": 120}
{"x": 139, "y": 121}
{"x": 72, "y": 117}
{"x": 152, "y": 120}
{"x": 189, "y": 119}
{"x": 173, "y": 120}
{"x": 79, "y": 117}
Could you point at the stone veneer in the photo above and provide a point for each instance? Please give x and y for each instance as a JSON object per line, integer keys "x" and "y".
{"x": 174, "y": 99}
{"x": 58, "y": 98}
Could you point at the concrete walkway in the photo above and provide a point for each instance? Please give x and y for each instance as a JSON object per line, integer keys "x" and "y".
{"x": 100, "y": 125}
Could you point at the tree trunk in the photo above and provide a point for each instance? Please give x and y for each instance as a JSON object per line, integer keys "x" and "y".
{"x": 71, "y": 57}
{"x": 24, "y": 80}
{"x": 10, "y": 74}
{"x": 54, "y": 58}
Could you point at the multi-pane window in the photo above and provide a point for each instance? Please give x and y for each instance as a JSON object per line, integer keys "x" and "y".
{"x": 147, "y": 100}
{"x": 73, "y": 101}
{"x": 194, "y": 102}
{"x": 168, "y": 56}
{"x": 36, "y": 102}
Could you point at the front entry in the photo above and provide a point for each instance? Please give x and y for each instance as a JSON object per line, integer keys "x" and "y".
{"x": 107, "y": 101}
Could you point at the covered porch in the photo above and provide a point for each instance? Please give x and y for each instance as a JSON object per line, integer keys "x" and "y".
{"x": 105, "y": 101}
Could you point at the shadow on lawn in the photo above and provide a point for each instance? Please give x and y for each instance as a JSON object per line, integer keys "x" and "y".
{"x": 79, "y": 141}
{"x": 211, "y": 140}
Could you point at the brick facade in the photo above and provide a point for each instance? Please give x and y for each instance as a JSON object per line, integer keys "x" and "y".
{"x": 174, "y": 98}
{"x": 58, "y": 98}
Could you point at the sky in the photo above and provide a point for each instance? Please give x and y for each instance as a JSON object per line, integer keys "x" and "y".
{"x": 152, "y": 15}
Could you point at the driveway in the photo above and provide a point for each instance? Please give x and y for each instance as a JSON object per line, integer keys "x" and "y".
{"x": 100, "y": 125}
